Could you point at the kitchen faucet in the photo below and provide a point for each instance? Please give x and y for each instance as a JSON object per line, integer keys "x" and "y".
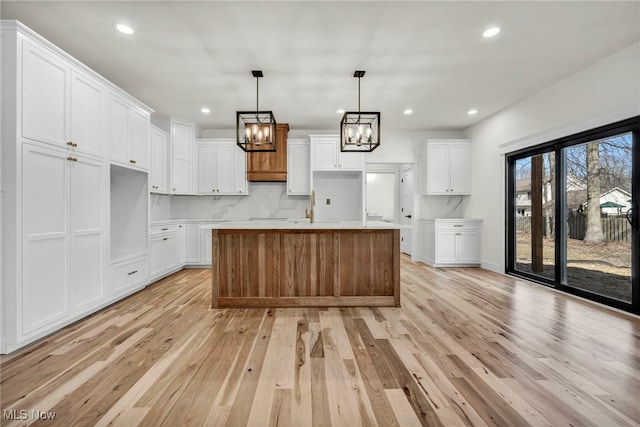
{"x": 312, "y": 202}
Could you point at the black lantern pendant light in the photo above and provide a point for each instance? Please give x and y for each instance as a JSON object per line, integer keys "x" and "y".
{"x": 359, "y": 131}
{"x": 256, "y": 130}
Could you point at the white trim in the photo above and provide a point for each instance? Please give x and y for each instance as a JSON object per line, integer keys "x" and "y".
{"x": 569, "y": 129}
{"x": 492, "y": 266}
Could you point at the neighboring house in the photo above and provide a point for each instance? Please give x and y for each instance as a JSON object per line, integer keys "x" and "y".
{"x": 615, "y": 196}
{"x": 616, "y": 201}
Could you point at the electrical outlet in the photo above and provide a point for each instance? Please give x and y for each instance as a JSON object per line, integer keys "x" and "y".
{"x": 328, "y": 201}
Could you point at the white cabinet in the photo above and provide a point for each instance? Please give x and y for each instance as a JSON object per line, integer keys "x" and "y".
{"x": 128, "y": 134}
{"x": 60, "y": 105}
{"x": 163, "y": 251}
{"x": 129, "y": 275}
{"x": 158, "y": 171}
{"x": 60, "y": 123}
{"x": 446, "y": 167}
{"x": 217, "y": 174}
{"x": 63, "y": 233}
{"x": 298, "y": 172}
{"x": 198, "y": 244}
{"x": 181, "y": 243}
{"x": 451, "y": 242}
{"x": 181, "y": 171}
{"x": 326, "y": 155}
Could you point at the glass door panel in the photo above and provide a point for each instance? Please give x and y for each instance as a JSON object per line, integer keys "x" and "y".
{"x": 598, "y": 242}
{"x": 535, "y": 215}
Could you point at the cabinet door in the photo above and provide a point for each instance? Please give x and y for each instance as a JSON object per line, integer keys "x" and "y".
{"x": 87, "y": 115}
{"x": 225, "y": 162}
{"x": 158, "y": 169}
{"x": 193, "y": 243}
{"x": 349, "y": 161}
{"x": 298, "y": 169}
{"x": 169, "y": 252}
{"x": 446, "y": 247}
{"x": 206, "y": 181}
{"x": 119, "y": 130}
{"x": 438, "y": 169}
{"x": 325, "y": 155}
{"x": 45, "y": 83}
{"x": 240, "y": 172}
{"x": 45, "y": 201}
{"x": 205, "y": 247}
{"x": 156, "y": 266}
{"x": 138, "y": 138}
{"x": 460, "y": 172}
{"x": 181, "y": 244}
{"x": 182, "y": 140}
{"x": 468, "y": 243}
{"x": 88, "y": 184}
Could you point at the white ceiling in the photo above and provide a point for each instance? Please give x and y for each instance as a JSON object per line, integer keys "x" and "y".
{"x": 428, "y": 56}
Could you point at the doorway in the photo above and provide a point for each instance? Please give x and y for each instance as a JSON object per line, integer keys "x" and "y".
{"x": 406, "y": 210}
{"x": 573, "y": 214}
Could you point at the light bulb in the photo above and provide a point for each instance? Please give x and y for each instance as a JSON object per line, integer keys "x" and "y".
{"x": 254, "y": 129}
{"x": 247, "y": 133}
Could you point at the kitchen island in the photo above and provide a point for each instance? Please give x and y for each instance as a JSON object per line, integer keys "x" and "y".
{"x": 299, "y": 264}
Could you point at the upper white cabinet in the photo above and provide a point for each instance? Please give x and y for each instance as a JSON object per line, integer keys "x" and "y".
{"x": 61, "y": 105}
{"x": 326, "y": 155}
{"x": 298, "y": 172}
{"x": 220, "y": 168}
{"x": 158, "y": 176}
{"x": 446, "y": 167}
{"x": 128, "y": 134}
{"x": 182, "y": 170}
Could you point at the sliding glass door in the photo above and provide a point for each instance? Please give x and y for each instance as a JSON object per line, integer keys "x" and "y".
{"x": 572, "y": 210}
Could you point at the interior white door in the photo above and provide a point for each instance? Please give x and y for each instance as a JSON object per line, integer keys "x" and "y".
{"x": 406, "y": 210}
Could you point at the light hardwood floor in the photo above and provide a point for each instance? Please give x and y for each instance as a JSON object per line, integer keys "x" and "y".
{"x": 467, "y": 347}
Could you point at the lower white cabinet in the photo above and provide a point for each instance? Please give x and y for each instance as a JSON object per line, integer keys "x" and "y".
{"x": 129, "y": 275}
{"x": 198, "y": 245}
{"x": 63, "y": 235}
{"x": 451, "y": 242}
{"x": 165, "y": 249}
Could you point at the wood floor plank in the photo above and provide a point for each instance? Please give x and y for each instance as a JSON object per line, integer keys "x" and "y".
{"x": 466, "y": 348}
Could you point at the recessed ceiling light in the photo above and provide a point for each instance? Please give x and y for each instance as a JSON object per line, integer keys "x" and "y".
{"x": 340, "y": 111}
{"x": 491, "y": 32}
{"x": 125, "y": 29}
{"x": 205, "y": 110}
{"x": 408, "y": 111}
{"x": 472, "y": 112}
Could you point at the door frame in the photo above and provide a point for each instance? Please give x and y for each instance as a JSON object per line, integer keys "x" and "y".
{"x": 631, "y": 125}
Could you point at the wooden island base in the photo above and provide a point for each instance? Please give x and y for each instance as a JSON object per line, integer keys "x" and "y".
{"x": 305, "y": 267}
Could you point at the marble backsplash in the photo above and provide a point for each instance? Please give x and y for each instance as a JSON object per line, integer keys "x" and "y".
{"x": 265, "y": 200}
{"x": 441, "y": 207}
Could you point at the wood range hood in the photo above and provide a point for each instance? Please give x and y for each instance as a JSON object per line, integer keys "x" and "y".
{"x": 270, "y": 166}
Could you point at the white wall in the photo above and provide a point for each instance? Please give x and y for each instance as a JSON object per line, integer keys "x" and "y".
{"x": 604, "y": 92}
{"x": 344, "y": 191}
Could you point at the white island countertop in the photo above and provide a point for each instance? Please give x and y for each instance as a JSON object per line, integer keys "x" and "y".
{"x": 280, "y": 224}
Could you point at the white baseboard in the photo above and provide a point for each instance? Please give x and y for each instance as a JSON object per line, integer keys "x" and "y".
{"x": 492, "y": 266}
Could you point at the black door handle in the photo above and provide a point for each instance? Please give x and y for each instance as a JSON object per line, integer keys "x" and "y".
{"x": 407, "y": 216}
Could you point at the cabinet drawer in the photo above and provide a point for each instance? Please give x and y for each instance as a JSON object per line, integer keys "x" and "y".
{"x": 458, "y": 225}
{"x": 162, "y": 229}
{"x": 129, "y": 274}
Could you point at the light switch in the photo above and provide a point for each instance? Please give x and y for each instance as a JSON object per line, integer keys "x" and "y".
{"x": 328, "y": 201}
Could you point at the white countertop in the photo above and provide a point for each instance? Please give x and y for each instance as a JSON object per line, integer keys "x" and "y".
{"x": 301, "y": 224}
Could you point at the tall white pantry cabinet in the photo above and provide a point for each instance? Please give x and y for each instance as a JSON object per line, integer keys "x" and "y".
{"x": 56, "y": 159}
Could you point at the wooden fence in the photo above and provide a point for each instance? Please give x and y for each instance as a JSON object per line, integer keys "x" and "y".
{"x": 614, "y": 228}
